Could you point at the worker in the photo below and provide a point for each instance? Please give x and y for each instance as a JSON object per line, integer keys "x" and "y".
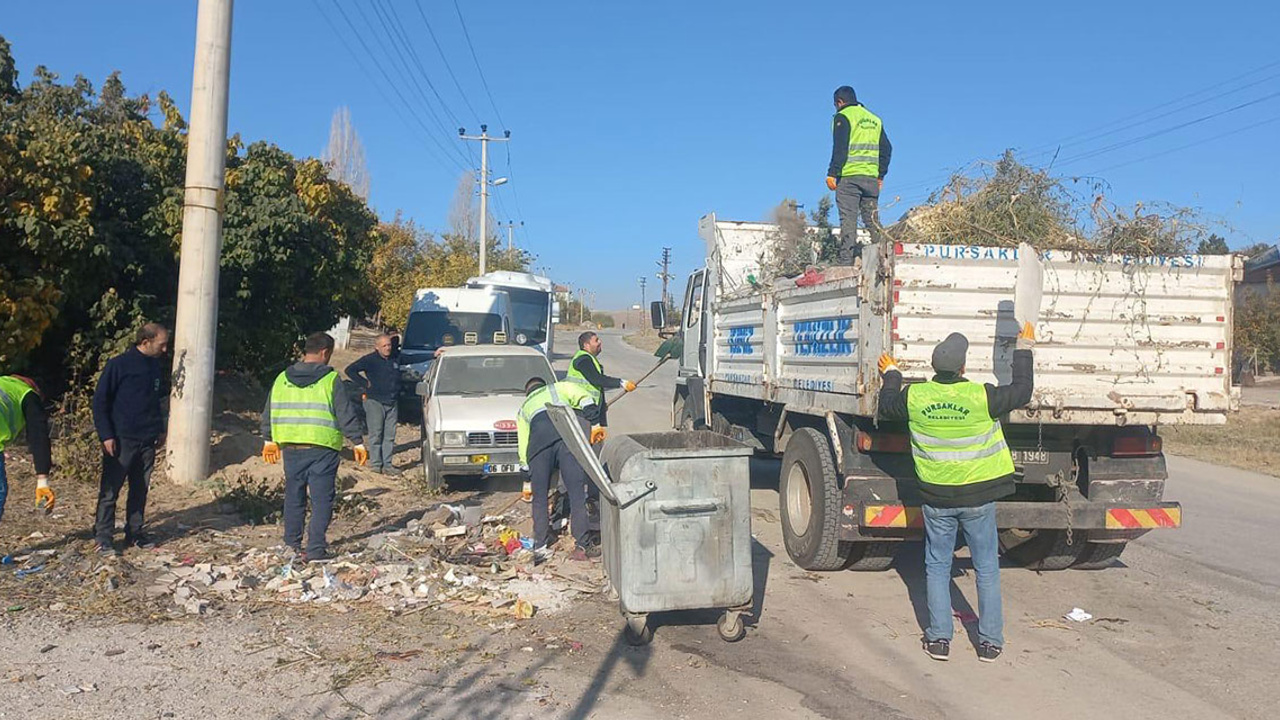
{"x": 585, "y": 369}
{"x": 963, "y": 467}
{"x": 128, "y": 413}
{"x": 378, "y": 377}
{"x": 860, "y": 153}
{"x": 22, "y": 407}
{"x": 543, "y": 452}
{"x": 307, "y": 415}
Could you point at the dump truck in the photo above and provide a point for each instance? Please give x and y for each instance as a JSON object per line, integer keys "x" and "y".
{"x": 1126, "y": 345}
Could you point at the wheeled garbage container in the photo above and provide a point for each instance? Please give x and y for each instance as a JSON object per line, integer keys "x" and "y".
{"x": 675, "y": 522}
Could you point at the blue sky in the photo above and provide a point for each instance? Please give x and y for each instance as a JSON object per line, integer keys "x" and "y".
{"x": 631, "y": 120}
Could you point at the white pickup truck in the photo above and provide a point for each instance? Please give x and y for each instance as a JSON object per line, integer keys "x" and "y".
{"x": 1126, "y": 344}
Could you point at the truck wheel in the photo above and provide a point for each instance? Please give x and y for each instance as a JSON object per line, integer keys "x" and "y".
{"x": 684, "y": 418}
{"x": 870, "y": 556}
{"x": 810, "y": 502}
{"x": 1099, "y": 555}
{"x": 1048, "y": 550}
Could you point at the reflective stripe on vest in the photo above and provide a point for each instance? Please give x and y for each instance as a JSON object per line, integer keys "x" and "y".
{"x": 12, "y": 421}
{"x": 954, "y": 440}
{"x": 864, "y": 142}
{"x": 305, "y": 415}
{"x": 564, "y": 393}
{"x": 574, "y": 375}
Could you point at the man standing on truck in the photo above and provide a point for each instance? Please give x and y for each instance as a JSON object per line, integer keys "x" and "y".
{"x": 308, "y": 413}
{"x": 963, "y": 467}
{"x": 585, "y": 369}
{"x": 543, "y": 451}
{"x": 378, "y": 377}
{"x": 860, "y": 153}
{"x": 22, "y": 407}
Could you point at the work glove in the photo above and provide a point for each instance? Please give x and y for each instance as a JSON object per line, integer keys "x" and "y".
{"x": 881, "y": 181}
{"x": 831, "y": 184}
{"x": 1027, "y": 338}
{"x": 628, "y": 385}
{"x": 362, "y": 454}
{"x": 887, "y": 364}
{"x": 270, "y": 453}
{"x": 45, "y": 499}
{"x": 597, "y": 435}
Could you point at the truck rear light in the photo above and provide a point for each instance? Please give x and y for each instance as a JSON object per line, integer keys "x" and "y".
{"x": 1221, "y": 346}
{"x": 1217, "y": 371}
{"x": 882, "y": 442}
{"x": 1136, "y": 445}
{"x": 898, "y": 249}
{"x": 895, "y": 296}
{"x": 1222, "y": 318}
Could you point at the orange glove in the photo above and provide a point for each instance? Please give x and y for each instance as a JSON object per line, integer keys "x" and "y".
{"x": 887, "y": 363}
{"x": 831, "y": 184}
{"x": 1027, "y": 338}
{"x": 628, "y": 385}
{"x": 881, "y": 181}
{"x": 45, "y": 498}
{"x": 597, "y": 435}
{"x": 270, "y": 453}
{"x": 362, "y": 455}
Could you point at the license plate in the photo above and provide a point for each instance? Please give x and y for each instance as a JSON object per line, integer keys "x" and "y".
{"x": 1030, "y": 457}
{"x": 478, "y": 459}
{"x": 501, "y": 468}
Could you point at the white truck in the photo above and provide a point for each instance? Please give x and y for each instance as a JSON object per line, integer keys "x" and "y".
{"x": 1126, "y": 344}
{"x": 534, "y": 310}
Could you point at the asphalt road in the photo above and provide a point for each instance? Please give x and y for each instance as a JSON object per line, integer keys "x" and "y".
{"x": 1186, "y": 623}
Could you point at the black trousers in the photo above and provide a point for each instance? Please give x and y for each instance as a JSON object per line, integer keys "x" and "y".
{"x": 309, "y": 471}
{"x": 541, "y": 467}
{"x": 134, "y": 462}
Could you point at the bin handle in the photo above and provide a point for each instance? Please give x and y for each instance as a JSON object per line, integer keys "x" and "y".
{"x": 697, "y": 507}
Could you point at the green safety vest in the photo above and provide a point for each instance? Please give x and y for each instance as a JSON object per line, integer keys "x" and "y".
{"x": 566, "y": 393}
{"x": 305, "y": 415}
{"x": 574, "y": 376}
{"x": 12, "y": 421}
{"x": 864, "y": 141}
{"x": 953, "y": 438}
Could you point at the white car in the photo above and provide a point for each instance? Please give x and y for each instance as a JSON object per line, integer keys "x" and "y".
{"x": 470, "y": 398}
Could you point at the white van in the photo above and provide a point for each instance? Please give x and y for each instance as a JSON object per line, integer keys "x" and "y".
{"x": 534, "y": 309}
{"x": 448, "y": 317}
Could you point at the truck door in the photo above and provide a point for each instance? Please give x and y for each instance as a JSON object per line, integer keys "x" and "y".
{"x": 694, "y": 361}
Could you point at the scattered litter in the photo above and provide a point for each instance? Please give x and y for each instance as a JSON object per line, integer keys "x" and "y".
{"x": 524, "y": 609}
{"x": 6, "y": 560}
{"x": 16, "y": 608}
{"x": 1078, "y": 615}
{"x": 113, "y": 652}
{"x": 403, "y": 655}
{"x": 29, "y": 571}
{"x": 47, "y": 648}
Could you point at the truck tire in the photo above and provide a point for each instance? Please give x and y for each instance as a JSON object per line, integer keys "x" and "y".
{"x": 809, "y": 496}
{"x": 870, "y": 556}
{"x": 1048, "y": 550}
{"x": 1099, "y": 555}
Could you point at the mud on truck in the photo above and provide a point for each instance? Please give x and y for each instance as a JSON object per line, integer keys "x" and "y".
{"x": 1125, "y": 345}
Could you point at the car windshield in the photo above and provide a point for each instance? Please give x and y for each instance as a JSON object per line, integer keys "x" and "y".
{"x": 489, "y": 375}
{"x": 529, "y": 313}
{"x": 441, "y": 329}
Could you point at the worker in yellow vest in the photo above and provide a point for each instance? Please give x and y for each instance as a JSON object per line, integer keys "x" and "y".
{"x": 963, "y": 466}
{"x": 21, "y": 408}
{"x": 586, "y": 370}
{"x": 308, "y": 414}
{"x": 860, "y": 153}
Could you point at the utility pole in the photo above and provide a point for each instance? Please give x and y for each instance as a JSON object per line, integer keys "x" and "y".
{"x": 484, "y": 139}
{"x": 511, "y": 224}
{"x": 196, "y": 326}
{"x": 665, "y": 277}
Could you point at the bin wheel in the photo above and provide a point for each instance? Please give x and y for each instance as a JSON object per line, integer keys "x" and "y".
{"x": 731, "y": 627}
{"x": 638, "y": 631}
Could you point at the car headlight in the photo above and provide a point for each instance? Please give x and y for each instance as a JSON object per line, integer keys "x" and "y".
{"x": 522, "y": 339}
{"x": 452, "y": 439}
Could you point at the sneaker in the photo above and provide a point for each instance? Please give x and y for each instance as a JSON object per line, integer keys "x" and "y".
{"x": 108, "y": 550}
{"x": 988, "y": 652}
{"x": 938, "y": 649}
{"x": 584, "y": 554}
{"x": 390, "y": 471}
{"x": 317, "y": 557}
{"x": 141, "y": 541}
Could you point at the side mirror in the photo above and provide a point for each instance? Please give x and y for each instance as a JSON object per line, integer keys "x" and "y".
{"x": 658, "y": 314}
{"x": 422, "y": 389}
{"x": 395, "y": 345}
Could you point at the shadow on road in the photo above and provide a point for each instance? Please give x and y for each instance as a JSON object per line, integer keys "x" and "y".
{"x": 910, "y": 566}
{"x": 637, "y": 658}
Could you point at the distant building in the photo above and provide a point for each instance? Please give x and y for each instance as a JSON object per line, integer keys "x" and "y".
{"x": 1261, "y": 272}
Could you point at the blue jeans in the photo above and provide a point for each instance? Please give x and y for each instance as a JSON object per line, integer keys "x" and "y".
{"x": 4, "y": 485}
{"x": 979, "y": 525}
{"x": 310, "y": 473}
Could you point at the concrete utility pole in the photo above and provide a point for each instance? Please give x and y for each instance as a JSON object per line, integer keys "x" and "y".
{"x": 665, "y": 276}
{"x": 511, "y": 224}
{"x": 643, "y": 305}
{"x": 484, "y": 139}
{"x": 196, "y": 328}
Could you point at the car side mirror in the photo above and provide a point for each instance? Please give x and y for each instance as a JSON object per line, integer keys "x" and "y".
{"x": 422, "y": 389}
{"x": 658, "y": 314}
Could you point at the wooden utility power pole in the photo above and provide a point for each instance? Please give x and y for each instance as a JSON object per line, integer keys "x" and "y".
{"x": 196, "y": 328}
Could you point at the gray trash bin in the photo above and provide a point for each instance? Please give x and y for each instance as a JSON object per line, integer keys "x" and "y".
{"x": 675, "y": 523}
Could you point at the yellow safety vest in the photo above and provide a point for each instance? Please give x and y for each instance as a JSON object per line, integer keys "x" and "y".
{"x": 954, "y": 440}
{"x": 305, "y": 415}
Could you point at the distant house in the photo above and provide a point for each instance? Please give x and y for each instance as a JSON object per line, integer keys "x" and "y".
{"x": 1259, "y": 271}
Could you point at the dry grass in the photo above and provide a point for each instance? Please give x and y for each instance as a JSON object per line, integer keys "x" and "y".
{"x": 1247, "y": 441}
{"x": 647, "y": 342}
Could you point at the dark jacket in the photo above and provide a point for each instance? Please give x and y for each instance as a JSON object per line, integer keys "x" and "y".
{"x": 128, "y": 403}
{"x": 1000, "y": 401}
{"x": 305, "y": 374}
{"x": 377, "y": 377}
{"x": 542, "y": 434}
{"x": 840, "y": 148}
{"x": 600, "y": 381}
{"x": 37, "y": 423}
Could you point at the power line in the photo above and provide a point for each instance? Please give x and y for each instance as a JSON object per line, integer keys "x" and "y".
{"x": 413, "y": 53}
{"x": 1180, "y": 148}
{"x": 476, "y": 59}
{"x": 445, "y": 59}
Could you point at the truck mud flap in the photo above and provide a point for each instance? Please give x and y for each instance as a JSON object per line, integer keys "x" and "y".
{"x": 1032, "y": 516}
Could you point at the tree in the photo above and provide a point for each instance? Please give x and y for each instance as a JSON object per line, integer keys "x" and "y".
{"x": 343, "y": 156}
{"x": 1254, "y": 250}
{"x": 828, "y": 244}
{"x": 1215, "y": 244}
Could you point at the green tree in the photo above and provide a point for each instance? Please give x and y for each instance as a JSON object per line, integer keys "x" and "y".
{"x": 1215, "y": 244}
